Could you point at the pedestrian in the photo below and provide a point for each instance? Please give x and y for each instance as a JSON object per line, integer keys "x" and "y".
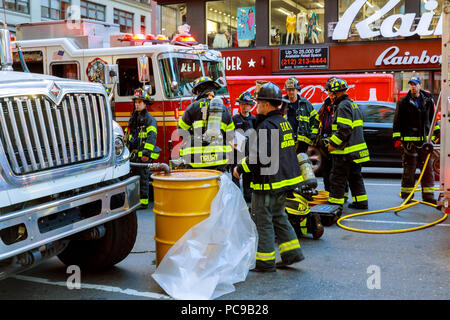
{"x": 244, "y": 121}
{"x": 301, "y": 115}
{"x": 203, "y": 148}
{"x": 347, "y": 147}
{"x": 412, "y": 123}
{"x": 272, "y": 180}
{"x": 141, "y": 135}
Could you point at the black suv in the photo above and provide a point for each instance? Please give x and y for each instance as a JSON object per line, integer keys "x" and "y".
{"x": 378, "y": 118}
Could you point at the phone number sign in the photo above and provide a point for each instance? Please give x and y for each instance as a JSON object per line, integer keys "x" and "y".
{"x": 304, "y": 58}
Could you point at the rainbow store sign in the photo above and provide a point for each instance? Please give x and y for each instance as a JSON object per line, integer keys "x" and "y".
{"x": 387, "y": 30}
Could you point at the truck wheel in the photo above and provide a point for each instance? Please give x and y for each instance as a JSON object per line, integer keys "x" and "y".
{"x": 113, "y": 247}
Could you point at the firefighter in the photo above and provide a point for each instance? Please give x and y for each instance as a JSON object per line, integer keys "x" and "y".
{"x": 301, "y": 115}
{"x": 324, "y": 118}
{"x": 347, "y": 147}
{"x": 412, "y": 122}
{"x": 206, "y": 128}
{"x": 244, "y": 121}
{"x": 141, "y": 140}
{"x": 272, "y": 181}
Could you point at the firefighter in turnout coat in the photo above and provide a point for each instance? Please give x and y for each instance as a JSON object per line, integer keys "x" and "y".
{"x": 141, "y": 140}
{"x": 347, "y": 147}
{"x": 272, "y": 181}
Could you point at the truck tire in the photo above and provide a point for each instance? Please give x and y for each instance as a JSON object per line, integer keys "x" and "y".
{"x": 113, "y": 247}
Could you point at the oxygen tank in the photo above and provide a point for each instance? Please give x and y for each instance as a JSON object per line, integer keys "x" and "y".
{"x": 309, "y": 179}
{"x": 213, "y": 134}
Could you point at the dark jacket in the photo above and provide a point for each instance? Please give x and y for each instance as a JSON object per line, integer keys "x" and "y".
{"x": 193, "y": 124}
{"x": 244, "y": 123}
{"x": 347, "y": 131}
{"x": 412, "y": 123}
{"x": 142, "y": 131}
{"x": 284, "y": 173}
{"x": 305, "y": 118}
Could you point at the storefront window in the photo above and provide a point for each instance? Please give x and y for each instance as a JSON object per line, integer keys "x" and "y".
{"x": 404, "y": 77}
{"x": 370, "y": 8}
{"x": 230, "y": 24}
{"x": 296, "y": 22}
{"x": 172, "y": 16}
{"x": 436, "y": 8}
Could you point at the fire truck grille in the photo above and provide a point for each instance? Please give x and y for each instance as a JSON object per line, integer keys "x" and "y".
{"x": 36, "y": 134}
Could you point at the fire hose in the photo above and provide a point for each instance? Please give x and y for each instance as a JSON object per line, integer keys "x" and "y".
{"x": 403, "y": 206}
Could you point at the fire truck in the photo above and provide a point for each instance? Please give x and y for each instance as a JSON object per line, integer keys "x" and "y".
{"x": 64, "y": 185}
{"x": 362, "y": 87}
{"x": 82, "y": 49}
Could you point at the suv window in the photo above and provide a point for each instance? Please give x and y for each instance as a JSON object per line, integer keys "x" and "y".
{"x": 379, "y": 113}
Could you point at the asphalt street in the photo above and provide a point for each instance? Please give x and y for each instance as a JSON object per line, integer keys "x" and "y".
{"x": 340, "y": 265}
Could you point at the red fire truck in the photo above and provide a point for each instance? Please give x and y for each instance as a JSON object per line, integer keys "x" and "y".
{"x": 363, "y": 87}
{"x": 85, "y": 49}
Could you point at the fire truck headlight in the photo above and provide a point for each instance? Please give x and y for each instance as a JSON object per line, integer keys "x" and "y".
{"x": 119, "y": 146}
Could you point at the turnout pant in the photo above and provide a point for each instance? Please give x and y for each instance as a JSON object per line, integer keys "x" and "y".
{"x": 326, "y": 166}
{"x": 412, "y": 161}
{"x": 246, "y": 179}
{"x": 343, "y": 170}
{"x": 268, "y": 213}
{"x": 144, "y": 182}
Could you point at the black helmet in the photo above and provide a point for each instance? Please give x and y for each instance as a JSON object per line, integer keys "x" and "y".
{"x": 328, "y": 84}
{"x": 245, "y": 98}
{"x": 204, "y": 84}
{"x": 338, "y": 84}
{"x": 292, "y": 83}
{"x": 142, "y": 94}
{"x": 269, "y": 91}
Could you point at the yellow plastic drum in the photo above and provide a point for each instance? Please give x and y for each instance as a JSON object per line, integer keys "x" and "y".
{"x": 181, "y": 200}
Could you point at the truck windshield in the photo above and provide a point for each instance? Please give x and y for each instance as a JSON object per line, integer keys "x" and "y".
{"x": 184, "y": 69}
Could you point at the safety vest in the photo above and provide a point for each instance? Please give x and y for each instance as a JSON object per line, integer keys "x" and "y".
{"x": 347, "y": 131}
{"x": 411, "y": 123}
{"x": 142, "y": 131}
{"x": 193, "y": 124}
{"x": 288, "y": 174}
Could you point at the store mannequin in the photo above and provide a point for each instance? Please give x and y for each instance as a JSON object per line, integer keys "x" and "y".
{"x": 291, "y": 22}
{"x": 312, "y": 29}
{"x": 301, "y": 27}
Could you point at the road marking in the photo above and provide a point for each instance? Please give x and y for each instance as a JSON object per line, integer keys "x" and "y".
{"x": 397, "y": 222}
{"x": 130, "y": 292}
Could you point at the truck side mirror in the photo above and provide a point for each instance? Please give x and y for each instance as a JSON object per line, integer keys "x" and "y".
{"x": 110, "y": 74}
{"x": 143, "y": 69}
{"x": 174, "y": 87}
{"x": 148, "y": 88}
{"x": 6, "y": 58}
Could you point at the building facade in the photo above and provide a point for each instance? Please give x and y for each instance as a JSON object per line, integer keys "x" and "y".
{"x": 268, "y": 37}
{"x": 133, "y": 16}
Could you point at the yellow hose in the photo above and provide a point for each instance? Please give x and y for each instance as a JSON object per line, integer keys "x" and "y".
{"x": 403, "y": 206}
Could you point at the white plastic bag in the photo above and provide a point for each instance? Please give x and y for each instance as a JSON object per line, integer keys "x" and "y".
{"x": 212, "y": 255}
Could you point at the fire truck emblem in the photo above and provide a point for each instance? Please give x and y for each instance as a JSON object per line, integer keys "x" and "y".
{"x": 95, "y": 69}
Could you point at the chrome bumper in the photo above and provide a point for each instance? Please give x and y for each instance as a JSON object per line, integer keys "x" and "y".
{"x": 30, "y": 216}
